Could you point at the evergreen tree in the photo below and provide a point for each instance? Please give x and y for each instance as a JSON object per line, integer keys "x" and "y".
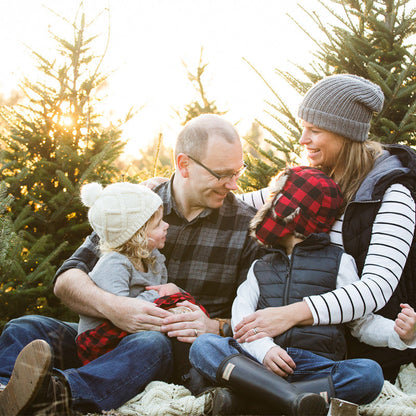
{"x": 375, "y": 41}
{"x": 372, "y": 39}
{"x": 156, "y": 160}
{"x": 258, "y": 154}
{"x": 25, "y": 267}
{"x": 57, "y": 142}
{"x": 201, "y": 105}
{"x": 280, "y": 150}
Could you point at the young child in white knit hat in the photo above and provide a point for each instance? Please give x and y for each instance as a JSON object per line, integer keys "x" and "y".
{"x": 128, "y": 218}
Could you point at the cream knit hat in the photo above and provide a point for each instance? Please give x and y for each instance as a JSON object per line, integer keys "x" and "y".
{"x": 342, "y": 104}
{"x": 118, "y": 210}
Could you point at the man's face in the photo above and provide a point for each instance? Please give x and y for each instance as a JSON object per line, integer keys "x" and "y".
{"x": 223, "y": 158}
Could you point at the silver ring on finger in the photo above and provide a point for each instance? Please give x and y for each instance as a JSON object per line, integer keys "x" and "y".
{"x": 255, "y": 331}
{"x": 196, "y": 333}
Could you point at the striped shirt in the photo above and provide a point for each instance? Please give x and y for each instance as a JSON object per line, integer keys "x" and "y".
{"x": 392, "y": 235}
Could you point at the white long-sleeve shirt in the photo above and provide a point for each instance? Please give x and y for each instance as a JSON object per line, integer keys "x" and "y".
{"x": 392, "y": 235}
{"x": 372, "y": 329}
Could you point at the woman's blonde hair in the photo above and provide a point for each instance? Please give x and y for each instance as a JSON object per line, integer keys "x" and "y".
{"x": 136, "y": 248}
{"x": 357, "y": 160}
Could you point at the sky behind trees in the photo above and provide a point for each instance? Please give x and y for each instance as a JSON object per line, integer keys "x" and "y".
{"x": 149, "y": 40}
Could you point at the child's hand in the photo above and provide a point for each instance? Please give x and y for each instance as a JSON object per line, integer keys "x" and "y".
{"x": 405, "y": 322}
{"x": 279, "y": 361}
{"x": 152, "y": 183}
{"x": 164, "y": 290}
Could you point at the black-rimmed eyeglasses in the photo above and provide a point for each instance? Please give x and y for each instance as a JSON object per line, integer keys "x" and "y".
{"x": 221, "y": 178}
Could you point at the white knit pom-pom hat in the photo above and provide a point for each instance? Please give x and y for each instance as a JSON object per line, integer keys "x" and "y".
{"x": 119, "y": 210}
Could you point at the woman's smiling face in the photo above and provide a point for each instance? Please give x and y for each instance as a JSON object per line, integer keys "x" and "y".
{"x": 322, "y": 146}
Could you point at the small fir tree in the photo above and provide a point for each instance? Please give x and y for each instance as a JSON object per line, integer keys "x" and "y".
{"x": 201, "y": 105}
{"x": 25, "y": 267}
{"x": 156, "y": 160}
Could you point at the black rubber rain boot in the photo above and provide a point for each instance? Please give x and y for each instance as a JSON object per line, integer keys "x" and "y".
{"x": 250, "y": 379}
{"x": 227, "y": 402}
{"x": 323, "y": 386}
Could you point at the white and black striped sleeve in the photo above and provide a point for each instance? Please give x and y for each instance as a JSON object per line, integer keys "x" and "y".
{"x": 392, "y": 235}
{"x": 256, "y": 199}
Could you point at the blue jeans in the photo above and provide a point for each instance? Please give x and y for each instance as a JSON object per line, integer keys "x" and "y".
{"x": 358, "y": 380}
{"x": 103, "y": 384}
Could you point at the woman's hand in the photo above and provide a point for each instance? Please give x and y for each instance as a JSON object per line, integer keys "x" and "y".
{"x": 279, "y": 361}
{"x": 271, "y": 322}
{"x": 405, "y": 323}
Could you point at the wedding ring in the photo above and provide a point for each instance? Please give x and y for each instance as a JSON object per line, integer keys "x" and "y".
{"x": 196, "y": 333}
{"x": 255, "y": 331}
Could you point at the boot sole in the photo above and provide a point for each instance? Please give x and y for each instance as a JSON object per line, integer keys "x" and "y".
{"x": 312, "y": 405}
{"x": 32, "y": 366}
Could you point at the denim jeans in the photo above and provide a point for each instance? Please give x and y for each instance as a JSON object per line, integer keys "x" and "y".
{"x": 103, "y": 384}
{"x": 358, "y": 380}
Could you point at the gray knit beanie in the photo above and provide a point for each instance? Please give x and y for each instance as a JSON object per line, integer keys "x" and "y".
{"x": 342, "y": 104}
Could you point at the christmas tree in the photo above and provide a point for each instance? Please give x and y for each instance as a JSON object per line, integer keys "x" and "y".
{"x": 58, "y": 140}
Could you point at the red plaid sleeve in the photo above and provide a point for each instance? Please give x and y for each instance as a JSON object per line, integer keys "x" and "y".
{"x": 98, "y": 341}
{"x": 170, "y": 301}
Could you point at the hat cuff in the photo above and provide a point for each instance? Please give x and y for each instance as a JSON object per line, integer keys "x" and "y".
{"x": 351, "y": 129}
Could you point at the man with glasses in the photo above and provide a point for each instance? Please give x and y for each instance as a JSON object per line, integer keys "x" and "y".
{"x": 208, "y": 253}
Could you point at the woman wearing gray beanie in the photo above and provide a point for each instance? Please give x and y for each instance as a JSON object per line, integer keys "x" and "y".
{"x": 377, "y": 226}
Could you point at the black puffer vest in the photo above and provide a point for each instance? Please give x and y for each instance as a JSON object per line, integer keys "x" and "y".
{"x": 312, "y": 269}
{"x": 398, "y": 166}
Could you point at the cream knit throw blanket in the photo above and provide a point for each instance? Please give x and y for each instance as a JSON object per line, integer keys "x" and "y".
{"x": 162, "y": 399}
{"x": 395, "y": 400}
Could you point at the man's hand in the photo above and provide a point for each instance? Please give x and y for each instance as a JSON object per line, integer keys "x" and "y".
{"x": 83, "y": 296}
{"x": 279, "y": 361}
{"x": 187, "y": 326}
{"x": 271, "y": 322}
{"x": 405, "y": 323}
{"x": 133, "y": 315}
{"x": 164, "y": 290}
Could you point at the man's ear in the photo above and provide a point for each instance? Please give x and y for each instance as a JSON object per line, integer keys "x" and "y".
{"x": 182, "y": 165}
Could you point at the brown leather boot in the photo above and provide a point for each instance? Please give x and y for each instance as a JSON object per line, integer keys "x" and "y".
{"x": 31, "y": 368}
{"x": 55, "y": 399}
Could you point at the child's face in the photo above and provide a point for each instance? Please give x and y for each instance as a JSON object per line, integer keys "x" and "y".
{"x": 156, "y": 231}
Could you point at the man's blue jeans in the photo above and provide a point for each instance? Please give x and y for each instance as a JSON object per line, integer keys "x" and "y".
{"x": 103, "y": 384}
{"x": 358, "y": 381}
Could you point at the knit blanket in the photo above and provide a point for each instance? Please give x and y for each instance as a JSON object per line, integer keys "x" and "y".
{"x": 395, "y": 400}
{"x": 163, "y": 399}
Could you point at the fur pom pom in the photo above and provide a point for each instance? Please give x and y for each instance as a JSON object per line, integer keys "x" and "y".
{"x": 90, "y": 192}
